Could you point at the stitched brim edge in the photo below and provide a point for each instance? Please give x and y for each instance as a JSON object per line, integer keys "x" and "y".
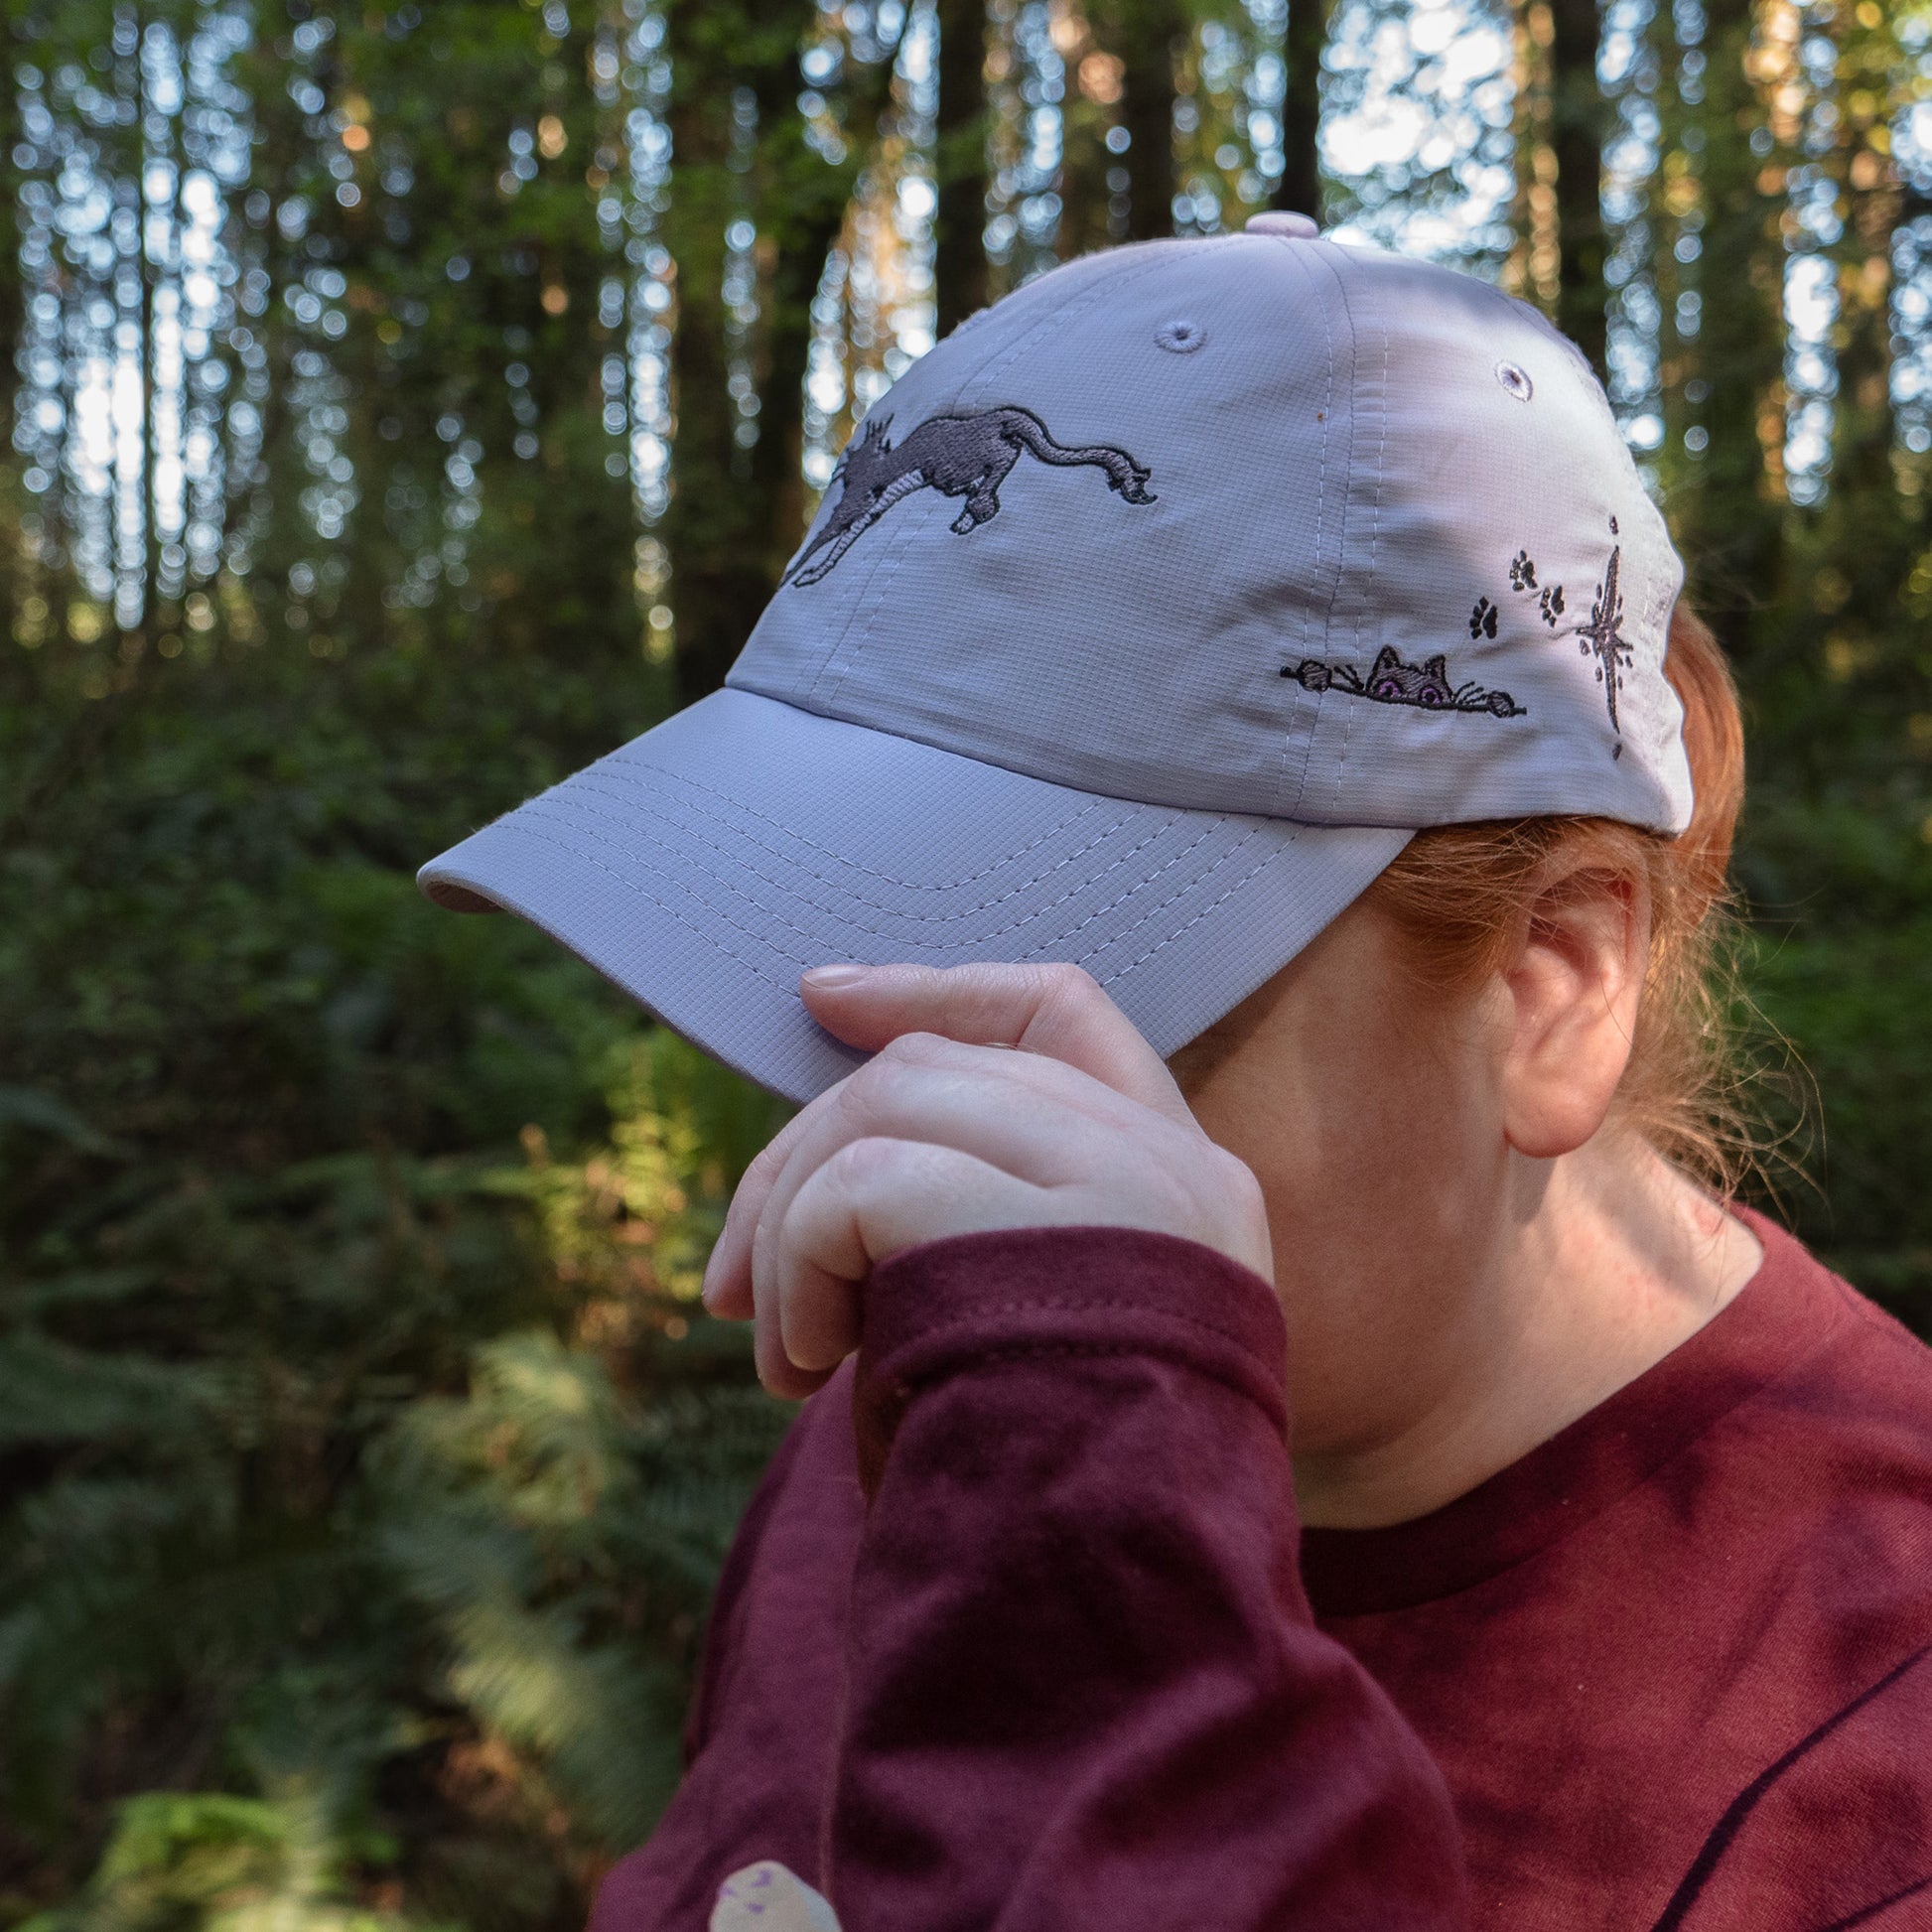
{"x": 704, "y": 865}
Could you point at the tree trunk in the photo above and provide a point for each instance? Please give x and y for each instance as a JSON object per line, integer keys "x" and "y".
{"x": 1091, "y": 102}
{"x": 1580, "y": 116}
{"x": 735, "y": 515}
{"x": 805, "y": 203}
{"x": 1730, "y": 522}
{"x": 1872, "y": 531}
{"x": 1149, "y": 36}
{"x": 12, "y": 323}
{"x": 1300, "y": 186}
{"x": 719, "y": 582}
{"x": 959, "y": 227}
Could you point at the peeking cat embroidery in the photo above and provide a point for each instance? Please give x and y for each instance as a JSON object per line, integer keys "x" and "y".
{"x": 1391, "y": 680}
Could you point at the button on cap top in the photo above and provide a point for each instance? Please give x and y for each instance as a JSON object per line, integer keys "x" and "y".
{"x": 1280, "y": 222}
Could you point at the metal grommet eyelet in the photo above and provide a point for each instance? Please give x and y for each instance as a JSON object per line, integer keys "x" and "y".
{"x": 1179, "y": 337}
{"x": 1515, "y": 380}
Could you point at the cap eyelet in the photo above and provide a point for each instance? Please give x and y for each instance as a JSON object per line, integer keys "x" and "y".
{"x": 1180, "y": 336}
{"x": 1515, "y": 380}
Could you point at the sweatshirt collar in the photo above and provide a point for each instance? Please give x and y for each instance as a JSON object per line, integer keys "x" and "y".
{"x": 1782, "y": 1316}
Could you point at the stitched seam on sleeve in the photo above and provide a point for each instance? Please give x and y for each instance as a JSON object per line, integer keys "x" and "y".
{"x": 906, "y": 1386}
{"x": 1058, "y": 1306}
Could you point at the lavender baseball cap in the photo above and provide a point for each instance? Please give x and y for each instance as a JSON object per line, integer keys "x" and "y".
{"x": 1144, "y": 621}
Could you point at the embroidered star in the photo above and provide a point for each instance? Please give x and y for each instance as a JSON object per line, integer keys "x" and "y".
{"x": 1602, "y": 636}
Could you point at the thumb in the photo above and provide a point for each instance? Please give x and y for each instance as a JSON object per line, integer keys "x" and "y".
{"x": 1057, "y": 1010}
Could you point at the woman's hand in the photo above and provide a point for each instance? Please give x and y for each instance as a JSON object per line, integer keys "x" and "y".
{"x": 948, "y": 1130}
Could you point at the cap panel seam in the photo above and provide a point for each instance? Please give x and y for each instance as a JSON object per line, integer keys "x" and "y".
{"x": 997, "y": 362}
{"x": 1298, "y": 260}
{"x": 1374, "y": 544}
{"x": 1341, "y": 539}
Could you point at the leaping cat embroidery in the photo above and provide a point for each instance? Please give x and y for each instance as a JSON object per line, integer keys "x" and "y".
{"x": 966, "y": 452}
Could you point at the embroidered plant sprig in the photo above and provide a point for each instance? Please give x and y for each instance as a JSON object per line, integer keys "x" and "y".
{"x": 1602, "y": 636}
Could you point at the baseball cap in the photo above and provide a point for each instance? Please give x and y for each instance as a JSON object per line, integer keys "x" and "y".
{"x": 1144, "y": 621}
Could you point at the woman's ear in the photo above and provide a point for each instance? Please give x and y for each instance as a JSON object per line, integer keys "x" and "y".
{"x": 1574, "y": 983}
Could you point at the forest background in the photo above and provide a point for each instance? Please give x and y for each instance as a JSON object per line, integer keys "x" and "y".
{"x": 409, "y": 403}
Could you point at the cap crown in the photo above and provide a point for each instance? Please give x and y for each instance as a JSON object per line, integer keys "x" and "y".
{"x": 1252, "y": 524}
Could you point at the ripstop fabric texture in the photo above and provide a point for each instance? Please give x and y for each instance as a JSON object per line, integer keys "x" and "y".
{"x": 1145, "y": 619}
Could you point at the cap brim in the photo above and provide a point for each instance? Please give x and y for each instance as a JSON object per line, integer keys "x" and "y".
{"x": 707, "y": 864}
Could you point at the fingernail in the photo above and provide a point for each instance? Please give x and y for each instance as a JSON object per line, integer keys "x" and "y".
{"x": 834, "y": 976}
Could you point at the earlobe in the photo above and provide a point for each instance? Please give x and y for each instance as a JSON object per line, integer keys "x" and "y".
{"x": 1575, "y": 984}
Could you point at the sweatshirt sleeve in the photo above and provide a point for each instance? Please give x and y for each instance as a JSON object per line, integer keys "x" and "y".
{"x": 1082, "y": 1684}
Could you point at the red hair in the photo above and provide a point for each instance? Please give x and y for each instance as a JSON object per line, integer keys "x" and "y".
{"x": 1459, "y": 896}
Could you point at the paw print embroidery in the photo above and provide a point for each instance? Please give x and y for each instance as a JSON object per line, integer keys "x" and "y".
{"x": 1549, "y": 597}
{"x": 1483, "y": 620}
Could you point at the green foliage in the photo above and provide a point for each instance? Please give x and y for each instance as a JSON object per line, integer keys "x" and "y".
{"x": 563, "y": 1538}
{"x": 204, "y": 1859}
{"x": 348, "y": 1363}
{"x": 1853, "y": 1004}
{"x": 364, "y": 1456}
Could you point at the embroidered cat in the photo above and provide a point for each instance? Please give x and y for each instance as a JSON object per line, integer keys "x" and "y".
{"x": 967, "y": 453}
{"x": 1393, "y": 680}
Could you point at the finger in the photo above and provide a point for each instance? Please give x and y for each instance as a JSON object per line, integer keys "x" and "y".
{"x": 726, "y": 1289}
{"x": 777, "y": 1373}
{"x": 1056, "y": 1010}
{"x": 1039, "y": 1120}
{"x": 871, "y": 1198}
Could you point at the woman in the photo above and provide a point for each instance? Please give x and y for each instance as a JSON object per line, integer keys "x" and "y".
{"x": 1315, "y": 1454}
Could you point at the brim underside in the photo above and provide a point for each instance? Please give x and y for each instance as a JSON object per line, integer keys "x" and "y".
{"x": 707, "y": 864}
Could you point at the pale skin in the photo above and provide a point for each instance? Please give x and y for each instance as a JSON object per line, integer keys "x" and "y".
{"x": 1471, "y": 1249}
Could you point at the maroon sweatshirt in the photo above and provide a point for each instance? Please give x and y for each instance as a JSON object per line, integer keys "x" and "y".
{"x": 1020, "y": 1633}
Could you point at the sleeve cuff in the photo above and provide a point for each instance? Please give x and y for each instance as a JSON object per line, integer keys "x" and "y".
{"x": 947, "y": 1306}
